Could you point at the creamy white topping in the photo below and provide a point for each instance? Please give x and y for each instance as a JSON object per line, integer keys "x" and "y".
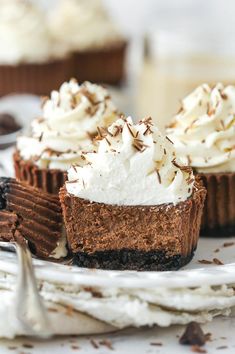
{"x": 204, "y": 129}
{"x": 82, "y": 24}
{"x": 24, "y": 34}
{"x": 68, "y": 125}
{"x": 134, "y": 165}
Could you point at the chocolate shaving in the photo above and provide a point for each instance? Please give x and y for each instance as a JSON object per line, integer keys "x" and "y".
{"x": 75, "y": 347}
{"x": 90, "y": 96}
{"x": 223, "y": 95}
{"x": 182, "y": 168}
{"x": 157, "y": 344}
{"x": 91, "y": 110}
{"x": 208, "y": 337}
{"x": 44, "y": 99}
{"x": 217, "y": 261}
{"x": 211, "y": 112}
{"x": 71, "y": 182}
{"x": 102, "y": 132}
{"x": 193, "y": 335}
{"x": 108, "y": 141}
{"x": 118, "y": 130}
{"x": 94, "y": 344}
{"x": 189, "y": 159}
{"x": 54, "y": 152}
{"x": 158, "y": 176}
{"x": 197, "y": 349}
{"x": 228, "y": 244}
{"x": 27, "y": 345}
{"x": 204, "y": 261}
{"x": 222, "y": 124}
{"x": 181, "y": 109}
{"x": 106, "y": 343}
{"x": 148, "y": 131}
{"x": 40, "y": 137}
{"x": 139, "y": 145}
{"x": 169, "y": 140}
{"x": 147, "y": 121}
{"x": 222, "y": 347}
{"x": 129, "y": 128}
{"x": 94, "y": 292}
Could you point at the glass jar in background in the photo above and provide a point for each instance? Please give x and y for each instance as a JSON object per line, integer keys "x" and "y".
{"x": 177, "y": 62}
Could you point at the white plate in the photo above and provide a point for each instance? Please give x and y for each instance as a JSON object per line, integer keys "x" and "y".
{"x": 194, "y": 274}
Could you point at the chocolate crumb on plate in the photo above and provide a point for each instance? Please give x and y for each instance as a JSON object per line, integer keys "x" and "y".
{"x": 156, "y": 344}
{"x": 27, "y": 345}
{"x": 208, "y": 337}
{"x": 106, "y": 343}
{"x": 217, "y": 261}
{"x": 204, "y": 261}
{"x": 193, "y": 335}
{"x": 198, "y": 349}
{"x": 228, "y": 244}
{"x": 94, "y": 344}
{"x": 75, "y": 347}
{"x": 222, "y": 347}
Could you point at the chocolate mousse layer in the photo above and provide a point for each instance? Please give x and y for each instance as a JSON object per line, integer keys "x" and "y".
{"x": 48, "y": 180}
{"x": 28, "y": 215}
{"x": 219, "y": 211}
{"x": 161, "y": 237}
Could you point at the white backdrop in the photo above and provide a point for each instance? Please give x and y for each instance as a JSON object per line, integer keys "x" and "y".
{"x": 136, "y": 16}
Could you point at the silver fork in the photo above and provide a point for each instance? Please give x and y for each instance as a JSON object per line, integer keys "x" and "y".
{"x": 29, "y": 308}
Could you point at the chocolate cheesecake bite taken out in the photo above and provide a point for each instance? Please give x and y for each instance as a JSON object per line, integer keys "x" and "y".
{"x": 27, "y": 215}
{"x": 132, "y": 205}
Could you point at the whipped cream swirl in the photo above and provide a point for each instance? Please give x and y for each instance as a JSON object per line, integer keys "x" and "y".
{"x": 25, "y": 35}
{"x": 83, "y": 24}
{"x": 134, "y": 165}
{"x": 68, "y": 125}
{"x": 204, "y": 129}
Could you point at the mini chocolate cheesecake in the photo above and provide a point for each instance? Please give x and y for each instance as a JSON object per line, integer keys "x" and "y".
{"x": 203, "y": 135}
{"x": 132, "y": 206}
{"x": 27, "y": 215}
{"x": 66, "y": 129}
{"x": 105, "y": 236}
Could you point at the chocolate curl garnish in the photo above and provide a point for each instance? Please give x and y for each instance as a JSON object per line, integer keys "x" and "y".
{"x": 182, "y": 168}
{"x": 139, "y": 145}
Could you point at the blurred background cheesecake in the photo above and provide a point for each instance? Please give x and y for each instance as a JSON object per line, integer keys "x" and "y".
{"x": 87, "y": 31}
{"x": 151, "y": 55}
{"x": 30, "y": 61}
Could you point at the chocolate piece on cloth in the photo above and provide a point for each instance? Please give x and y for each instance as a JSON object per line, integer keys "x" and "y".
{"x": 28, "y": 215}
{"x": 193, "y": 335}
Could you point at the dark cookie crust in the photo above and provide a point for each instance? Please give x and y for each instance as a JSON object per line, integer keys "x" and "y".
{"x": 131, "y": 260}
